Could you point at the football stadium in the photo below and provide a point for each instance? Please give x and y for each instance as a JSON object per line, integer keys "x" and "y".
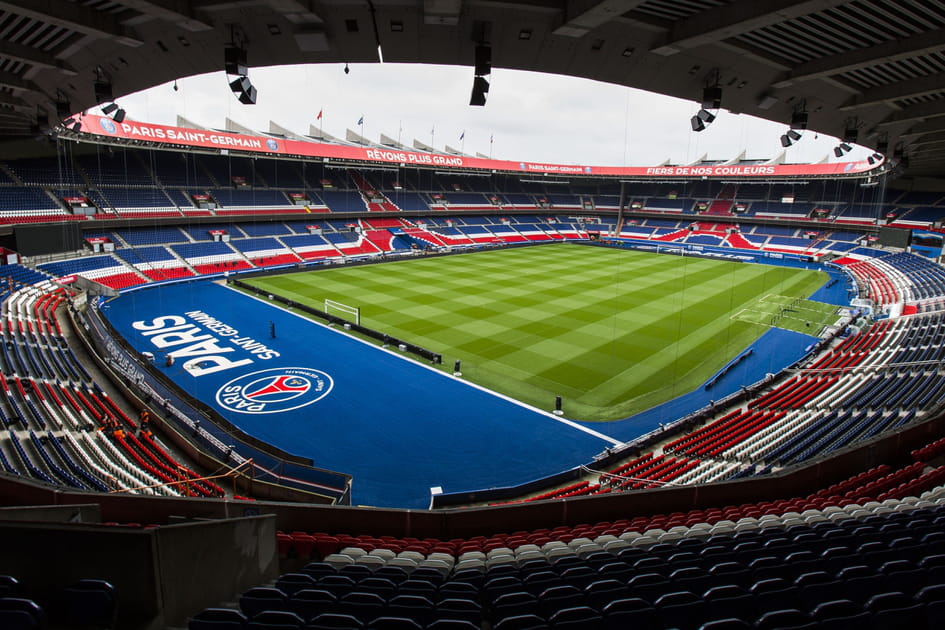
{"x": 258, "y": 378}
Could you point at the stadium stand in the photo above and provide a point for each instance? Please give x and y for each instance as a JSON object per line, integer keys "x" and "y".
{"x": 62, "y": 430}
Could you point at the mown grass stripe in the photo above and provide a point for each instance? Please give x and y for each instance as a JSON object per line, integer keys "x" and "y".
{"x": 614, "y": 331}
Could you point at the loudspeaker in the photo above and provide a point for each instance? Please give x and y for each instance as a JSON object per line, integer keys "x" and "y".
{"x": 234, "y": 61}
{"x": 103, "y": 92}
{"x": 711, "y": 98}
{"x": 244, "y": 90}
{"x": 479, "y": 91}
{"x": 483, "y": 60}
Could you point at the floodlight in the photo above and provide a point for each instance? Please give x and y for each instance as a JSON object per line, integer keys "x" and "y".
{"x": 244, "y": 90}
{"x": 712, "y": 97}
{"x": 103, "y": 91}
{"x": 479, "y": 91}
{"x": 697, "y": 124}
{"x": 483, "y": 60}
{"x": 234, "y": 61}
{"x": 799, "y": 120}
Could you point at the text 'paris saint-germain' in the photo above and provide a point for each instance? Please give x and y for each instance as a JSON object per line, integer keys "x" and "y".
{"x": 202, "y": 350}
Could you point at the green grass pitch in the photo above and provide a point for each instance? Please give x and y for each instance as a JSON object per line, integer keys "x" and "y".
{"x": 612, "y": 331}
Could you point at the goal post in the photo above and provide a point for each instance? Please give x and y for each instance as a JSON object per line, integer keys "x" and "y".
{"x": 350, "y": 311}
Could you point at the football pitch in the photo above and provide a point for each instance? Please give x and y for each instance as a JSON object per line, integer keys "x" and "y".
{"x": 612, "y": 331}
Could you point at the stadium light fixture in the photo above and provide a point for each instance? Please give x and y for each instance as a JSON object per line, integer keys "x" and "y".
{"x": 244, "y": 90}
{"x": 234, "y": 61}
{"x": 483, "y": 60}
{"x": 237, "y": 68}
{"x": 837, "y": 151}
{"x": 483, "y": 67}
{"x": 108, "y": 109}
{"x": 479, "y": 91}
{"x": 799, "y": 120}
{"x": 697, "y": 124}
{"x": 712, "y": 97}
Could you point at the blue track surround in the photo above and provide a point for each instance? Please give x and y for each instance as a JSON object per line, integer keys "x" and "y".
{"x": 399, "y": 427}
{"x": 773, "y": 351}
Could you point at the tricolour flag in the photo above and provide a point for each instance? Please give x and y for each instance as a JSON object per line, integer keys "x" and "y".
{"x": 319, "y": 117}
{"x": 462, "y": 135}
{"x": 361, "y": 120}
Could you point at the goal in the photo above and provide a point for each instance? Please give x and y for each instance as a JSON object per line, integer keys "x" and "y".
{"x": 349, "y": 311}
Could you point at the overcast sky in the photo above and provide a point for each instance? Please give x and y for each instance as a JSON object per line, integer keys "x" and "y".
{"x": 529, "y": 116}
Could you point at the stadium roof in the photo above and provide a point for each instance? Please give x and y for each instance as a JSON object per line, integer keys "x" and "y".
{"x": 870, "y": 68}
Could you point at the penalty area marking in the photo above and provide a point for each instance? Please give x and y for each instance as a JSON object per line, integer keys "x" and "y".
{"x": 546, "y": 414}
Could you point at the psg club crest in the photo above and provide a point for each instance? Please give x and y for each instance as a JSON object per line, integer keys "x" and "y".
{"x": 107, "y": 125}
{"x": 272, "y": 144}
{"x": 274, "y": 390}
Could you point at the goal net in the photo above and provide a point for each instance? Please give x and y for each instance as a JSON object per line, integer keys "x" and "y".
{"x": 351, "y": 313}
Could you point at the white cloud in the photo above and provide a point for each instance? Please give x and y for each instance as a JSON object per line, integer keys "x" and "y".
{"x": 531, "y": 116}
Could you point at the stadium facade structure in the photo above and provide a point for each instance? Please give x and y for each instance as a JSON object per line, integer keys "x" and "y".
{"x": 874, "y": 466}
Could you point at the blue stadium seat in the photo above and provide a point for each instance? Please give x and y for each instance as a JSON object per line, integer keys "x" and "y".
{"x": 601, "y": 592}
{"x": 334, "y": 621}
{"x": 9, "y": 586}
{"x": 680, "y": 609}
{"x": 730, "y": 601}
{"x": 522, "y": 622}
{"x": 362, "y": 606}
{"x": 218, "y": 619}
{"x": 840, "y": 613}
{"x": 289, "y": 583}
{"x": 275, "y": 620}
{"x": 461, "y": 609}
{"x": 395, "y": 623}
{"x": 17, "y": 613}
{"x": 575, "y": 618}
{"x": 453, "y": 624}
{"x": 415, "y": 607}
{"x": 631, "y": 612}
{"x": 726, "y": 624}
{"x": 89, "y": 604}
{"x": 459, "y": 590}
{"x": 785, "y": 619}
{"x": 261, "y": 598}
{"x": 514, "y": 603}
{"x": 895, "y": 610}
{"x": 309, "y": 602}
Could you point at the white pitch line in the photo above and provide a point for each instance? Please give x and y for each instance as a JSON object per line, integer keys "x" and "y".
{"x": 404, "y": 357}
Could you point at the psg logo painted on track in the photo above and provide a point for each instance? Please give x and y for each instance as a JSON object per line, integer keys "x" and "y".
{"x": 274, "y": 390}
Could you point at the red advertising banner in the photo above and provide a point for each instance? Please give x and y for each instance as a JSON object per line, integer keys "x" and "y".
{"x": 97, "y": 240}
{"x": 133, "y": 130}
